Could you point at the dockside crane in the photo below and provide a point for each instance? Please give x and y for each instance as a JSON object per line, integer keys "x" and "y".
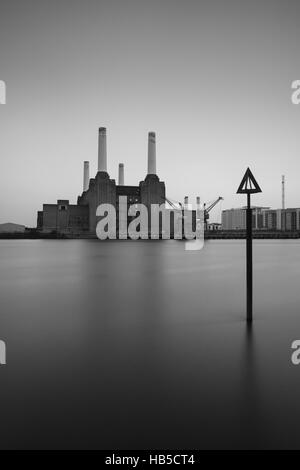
{"x": 209, "y": 208}
{"x": 174, "y": 204}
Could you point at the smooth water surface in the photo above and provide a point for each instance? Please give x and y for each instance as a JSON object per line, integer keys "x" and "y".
{"x": 141, "y": 344}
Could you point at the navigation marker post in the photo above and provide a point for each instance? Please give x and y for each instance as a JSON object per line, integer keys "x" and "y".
{"x": 249, "y": 186}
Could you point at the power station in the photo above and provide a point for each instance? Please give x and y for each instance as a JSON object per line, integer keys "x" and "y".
{"x": 80, "y": 219}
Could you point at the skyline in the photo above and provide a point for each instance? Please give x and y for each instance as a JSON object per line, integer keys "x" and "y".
{"x": 213, "y": 82}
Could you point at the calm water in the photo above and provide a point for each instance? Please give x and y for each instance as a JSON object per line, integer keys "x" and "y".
{"x": 144, "y": 345}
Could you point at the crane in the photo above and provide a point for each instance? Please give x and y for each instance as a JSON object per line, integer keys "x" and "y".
{"x": 209, "y": 208}
{"x": 174, "y": 204}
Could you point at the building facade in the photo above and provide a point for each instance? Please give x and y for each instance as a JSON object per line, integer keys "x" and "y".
{"x": 235, "y": 219}
{"x": 282, "y": 219}
{"x": 262, "y": 218}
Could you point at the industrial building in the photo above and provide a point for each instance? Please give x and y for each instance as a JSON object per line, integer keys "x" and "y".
{"x": 235, "y": 219}
{"x": 80, "y": 219}
{"x": 262, "y": 218}
{"x": 282, "y": 219}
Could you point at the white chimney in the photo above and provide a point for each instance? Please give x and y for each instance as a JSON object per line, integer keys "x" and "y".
{"x": 151, "y": 153}
{"x": 102, "y": 156}
{"x": 121, "y": 174}
{"x": 86, "y": 175}
{"x": 186, "y": 202}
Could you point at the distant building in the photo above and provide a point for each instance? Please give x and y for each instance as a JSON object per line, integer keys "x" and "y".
{"x": 272, "y": 219}
{"x": 63, "y": 217}
{"x": 235, "y": 219}
{"x": 282, "y": 219}
{"x": 214, "y": 226}
{"x": 12, "y": 228}
{"x": 262, "y": 218}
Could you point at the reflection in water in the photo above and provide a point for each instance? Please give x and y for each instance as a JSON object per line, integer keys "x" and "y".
{"x": 250, "y": 399}
{"x": 144, "y": 345}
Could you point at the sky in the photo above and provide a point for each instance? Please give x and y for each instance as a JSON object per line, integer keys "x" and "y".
{"x": 211, "y": 78}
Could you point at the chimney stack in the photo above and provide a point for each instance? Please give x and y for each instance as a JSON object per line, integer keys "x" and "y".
{"x": 186, "y": 202}
{"x": 121, "y": 174}
{"x": 283, "y": 191}
{"x": 151, "y": 153}
{"x": 102, "y": 156}
{"x": 198, "y": 200}
{"x": 86, "y": 175}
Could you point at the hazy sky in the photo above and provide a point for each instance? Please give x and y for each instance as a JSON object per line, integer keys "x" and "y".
{"x": 212, "y": 78}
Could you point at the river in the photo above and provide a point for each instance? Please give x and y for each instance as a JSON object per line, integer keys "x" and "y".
{"x": 143, "y": 345}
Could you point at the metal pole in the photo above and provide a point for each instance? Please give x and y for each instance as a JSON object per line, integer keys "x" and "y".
{"x": 249, "y": 186}
{"x": 249, "y": 261}
{"x": 283, "y": 191}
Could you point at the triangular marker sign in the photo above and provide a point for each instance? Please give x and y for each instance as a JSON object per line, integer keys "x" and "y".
{"x": 248, "y": 185}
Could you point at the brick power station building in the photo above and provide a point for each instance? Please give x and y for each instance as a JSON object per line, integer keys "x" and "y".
{"x": 80, "y": 219}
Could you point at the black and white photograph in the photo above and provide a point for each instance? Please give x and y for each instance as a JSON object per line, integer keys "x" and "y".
{"x": 149, "y": 228}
